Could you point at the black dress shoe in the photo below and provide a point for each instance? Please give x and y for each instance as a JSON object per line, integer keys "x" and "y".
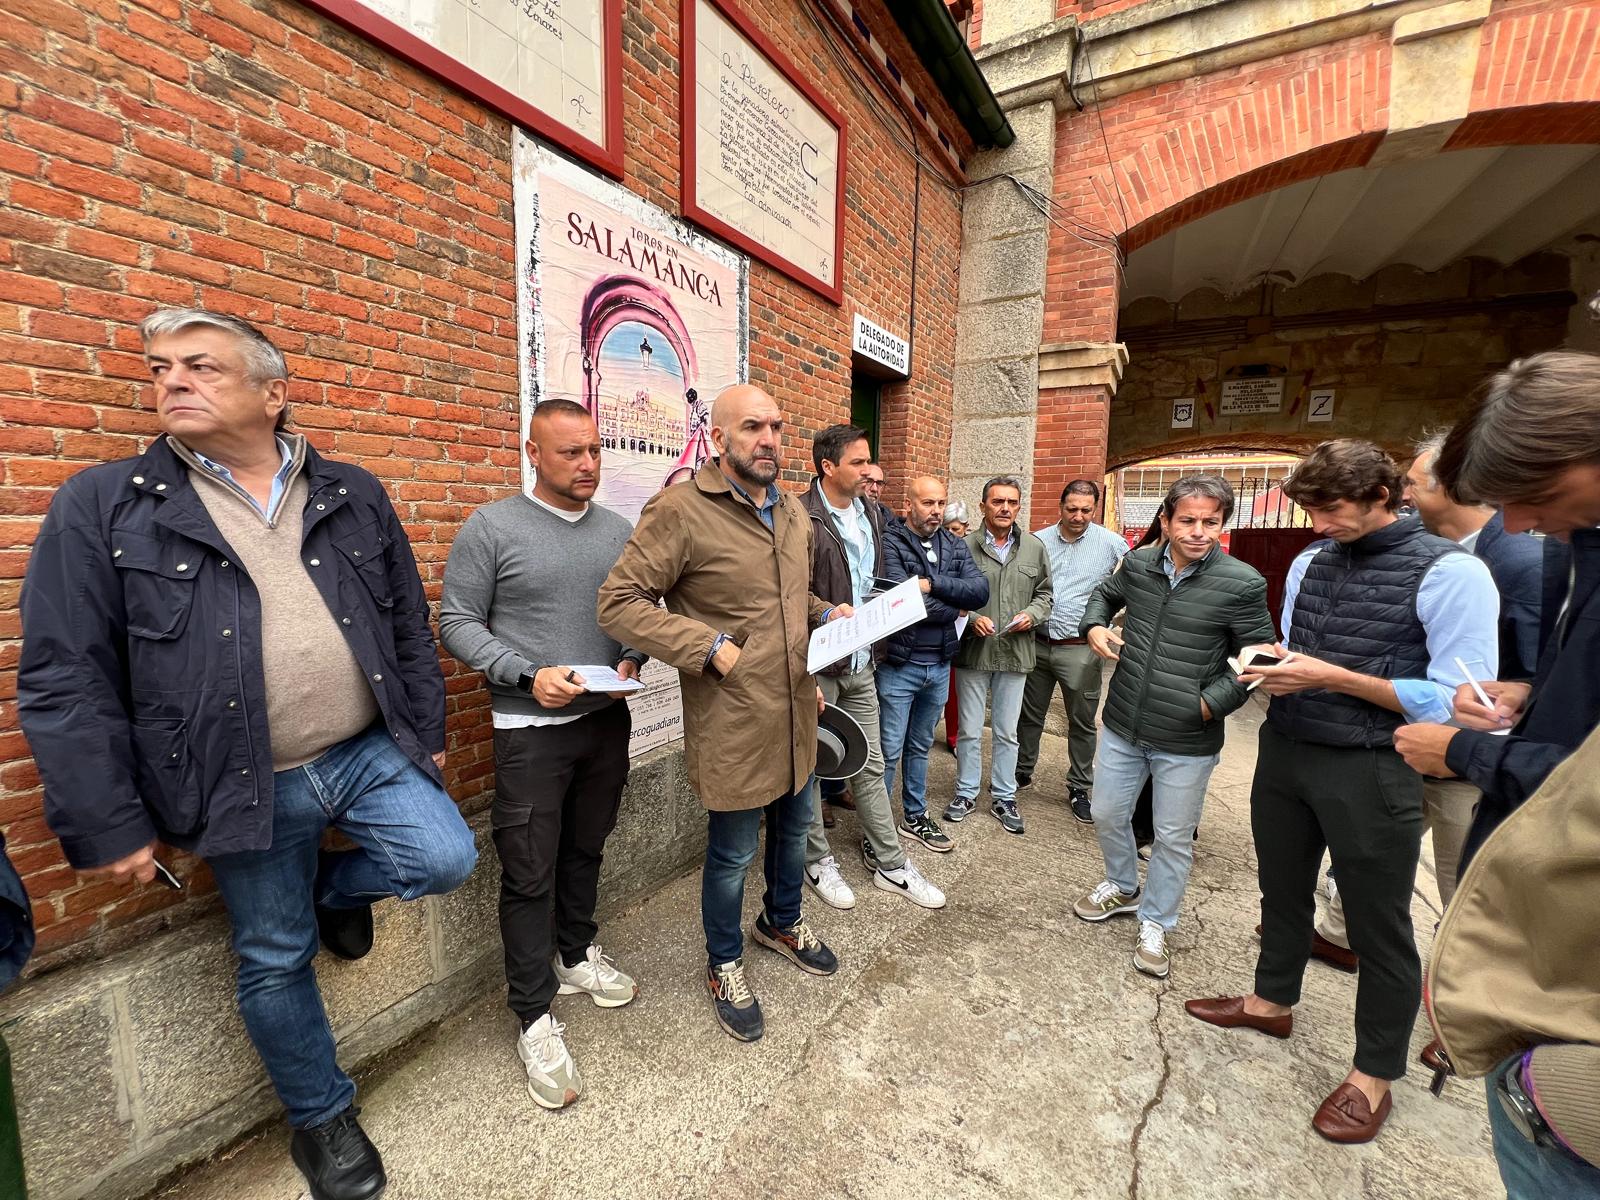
{"x": 345, "y": 932}
{"x": 338, "y": 1160}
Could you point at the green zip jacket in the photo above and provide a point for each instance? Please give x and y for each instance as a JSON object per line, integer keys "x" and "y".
{"x": 1176, "y": 643}
{"x": 1020, "y": 584}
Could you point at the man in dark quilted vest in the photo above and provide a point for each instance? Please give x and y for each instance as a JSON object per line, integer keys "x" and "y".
{"x": 1376, "y": 621}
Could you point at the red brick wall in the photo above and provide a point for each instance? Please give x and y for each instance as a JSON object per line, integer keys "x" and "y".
{"x": 1151, "y": 160}
{"x": 253, "y": 157}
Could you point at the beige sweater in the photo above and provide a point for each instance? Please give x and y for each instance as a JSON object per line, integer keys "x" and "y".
{"x": 317, "y": 694}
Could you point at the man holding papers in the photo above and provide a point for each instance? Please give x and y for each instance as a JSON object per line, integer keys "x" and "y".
{"x": 519, "y": 605}
{"x": 847, "y": 558}
{"x": 998, "y": 651}
{"x": 716, "y": 581}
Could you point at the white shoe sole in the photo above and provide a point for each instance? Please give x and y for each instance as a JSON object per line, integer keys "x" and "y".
{"x": 844, "y": 905}
{"x": 880, "y": 882}
{"x": 1154, "y": 974}
{"x": 573, "y": 989}
{"x": 571, "y": 1096}
{"x": 907, "y": 836}
{"x": 1131, "y": 910}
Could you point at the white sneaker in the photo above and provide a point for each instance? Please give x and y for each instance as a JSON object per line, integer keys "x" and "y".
{"x": 905, "y": 880}
{"x": 1150, "y": 951}
{"x": 553, "y": 1080}
{"x": 827, "y": 883}
{"x": 598, "y": 978}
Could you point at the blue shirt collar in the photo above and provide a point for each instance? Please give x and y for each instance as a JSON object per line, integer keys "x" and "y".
{"x": 279, "y": 481}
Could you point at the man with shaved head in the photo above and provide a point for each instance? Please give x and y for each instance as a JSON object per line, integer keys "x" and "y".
{"x": 519, "y": 605}
{"x": 716, "y": 581}
{"x": 914, "y": 677}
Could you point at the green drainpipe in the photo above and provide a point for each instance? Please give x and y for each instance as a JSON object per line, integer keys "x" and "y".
{"x": 934, "y": 35}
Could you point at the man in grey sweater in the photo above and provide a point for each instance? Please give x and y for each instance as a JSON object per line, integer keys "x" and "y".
{"x": 519, "y": 605}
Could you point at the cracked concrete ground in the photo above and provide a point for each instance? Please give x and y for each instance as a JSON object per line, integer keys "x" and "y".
{"x": 999, "y": 1048}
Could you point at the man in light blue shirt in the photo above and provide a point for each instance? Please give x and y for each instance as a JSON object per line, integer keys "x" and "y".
{"x": 1081, "y": 554}
{"x": 1374, "y": 620}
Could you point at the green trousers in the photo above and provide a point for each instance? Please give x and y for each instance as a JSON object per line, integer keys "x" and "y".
{"x": 1075, "y": 672}
{"x": 12, "y": 1183}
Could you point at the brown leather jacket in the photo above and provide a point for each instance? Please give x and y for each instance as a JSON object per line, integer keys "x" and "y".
{"x": 702, "y": 548}
{"x": 830, "y": 565}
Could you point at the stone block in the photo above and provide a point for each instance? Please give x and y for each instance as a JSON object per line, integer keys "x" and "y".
{"x": 1001, "y": 329}
{"x": 1034, "y": 148}
{"x": 182, "y": 1012}
{"x": 1003, "y": 267}
{"x": 401, "y": 962}
{"x": 1000, "y": 387}
{"x": 71, "y": 1102}
{"x": 997, "y": 208}
{"x": 1401, "y": 349}
{"x": 1323, "y": 293}
{"x": 993, "y": 446}
{"x": 465, "y": 924}
{"x": 1400, "y": 283}
{"x": 1455, "y": 348}
{"x": 1003, "y": 21}
{"x": 1145, "y": 313}
{"x": 1206, "y": 302}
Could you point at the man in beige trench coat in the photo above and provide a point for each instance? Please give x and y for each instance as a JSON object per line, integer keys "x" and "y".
{"x": 730, "y": 554}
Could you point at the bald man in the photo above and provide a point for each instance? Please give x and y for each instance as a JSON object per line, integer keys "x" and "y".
{"x": 914, "y": 677}
{"x": 729, "y": 555}
{"x": 519, "y": 606}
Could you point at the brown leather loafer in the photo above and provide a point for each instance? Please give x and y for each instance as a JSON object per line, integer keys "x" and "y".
{"x": 1336, "y": 956}
{"x": 1228, "y": 1013}
{"x": 1346, "y": 1117}
{"x": 845, "y": 799}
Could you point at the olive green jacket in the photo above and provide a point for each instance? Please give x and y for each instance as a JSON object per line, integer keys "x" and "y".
{"x": 1020, "y": 584}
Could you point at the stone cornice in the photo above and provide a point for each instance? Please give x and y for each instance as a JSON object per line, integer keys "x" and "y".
{"x": 1082, "y": 364}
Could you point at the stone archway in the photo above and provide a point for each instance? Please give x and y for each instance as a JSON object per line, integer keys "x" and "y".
{"x": 1186, "y": 110}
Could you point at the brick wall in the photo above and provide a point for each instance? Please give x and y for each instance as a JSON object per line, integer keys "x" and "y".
{"x": 255, "y": 158}
{"x": 1153, "y": 159}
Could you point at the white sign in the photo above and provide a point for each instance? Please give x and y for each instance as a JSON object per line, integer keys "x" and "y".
{"x": 1246, "y": 397}
{"x": 542, "y": 62}
{"x": 763, "y": 154}
{"x": 880, "y": 346}
{"x": 875, "y": 620}
{"x": 1183, "y": 414}
{"x": 1320, "y": 408}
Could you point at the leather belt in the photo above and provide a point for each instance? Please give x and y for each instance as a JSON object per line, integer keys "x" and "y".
{"x": 1050, "y": 641}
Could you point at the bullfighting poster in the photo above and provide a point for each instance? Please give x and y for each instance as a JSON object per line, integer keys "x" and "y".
{"x": 632, "y": 313}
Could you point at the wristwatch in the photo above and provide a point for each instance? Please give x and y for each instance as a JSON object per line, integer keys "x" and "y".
{"x": 711, "y": 658}
{"x": 525, "y": 680}
{"x": 1521, "y": 1111}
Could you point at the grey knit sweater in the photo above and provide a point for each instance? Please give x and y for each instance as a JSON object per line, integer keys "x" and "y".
{"x": 519, "y": 594}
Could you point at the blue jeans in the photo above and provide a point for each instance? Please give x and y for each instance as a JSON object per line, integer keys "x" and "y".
{"x": 1001, "y": 692}
{"x": 412, "y": 842}
{"x": 911, "y": 697}
{"x": 730, "y": 846}
{"x": 1120, "y": 769}
{"x": 1529, "y": 1171}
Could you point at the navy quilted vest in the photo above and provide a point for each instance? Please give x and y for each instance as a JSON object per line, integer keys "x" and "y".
{"x": 1357, "y": 607}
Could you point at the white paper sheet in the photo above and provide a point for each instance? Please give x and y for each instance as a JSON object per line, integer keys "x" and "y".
{"x": 875, "y": 620}
{"x": 606, "y": 679}
{"x": 961, "y": 624}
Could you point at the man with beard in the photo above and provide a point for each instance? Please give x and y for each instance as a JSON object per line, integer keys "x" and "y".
{"x": 729, "y": 557}
{"x": 914, "y": 678}
{"x": 518, "y": 605}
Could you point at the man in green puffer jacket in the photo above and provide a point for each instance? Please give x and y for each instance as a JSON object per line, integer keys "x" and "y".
{"x": 1189, "y": 607}
{"x": 998, "y": 651}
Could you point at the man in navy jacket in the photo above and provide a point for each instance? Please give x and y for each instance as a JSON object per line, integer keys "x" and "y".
{"x": 1531, "y": 446}
{"x": 914, "y": 678}
{"x": 226, "y": 649}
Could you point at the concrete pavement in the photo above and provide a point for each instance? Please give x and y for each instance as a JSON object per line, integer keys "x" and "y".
{"x": 997, "y": 1048}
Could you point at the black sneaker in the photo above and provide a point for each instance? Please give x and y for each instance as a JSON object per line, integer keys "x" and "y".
{"x": 345, "y": 932}
{"x": 869, "y": 859}
{"x": 926, "y": 831}
{"x": 338, "y": 1160}
{"x": 1005, "y": 811}
{"x": 798, "y": 944}
{"x": 1024, "y": 779}
{"x": 738, "y": 1012}
{"x": 1081, "y": 810}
